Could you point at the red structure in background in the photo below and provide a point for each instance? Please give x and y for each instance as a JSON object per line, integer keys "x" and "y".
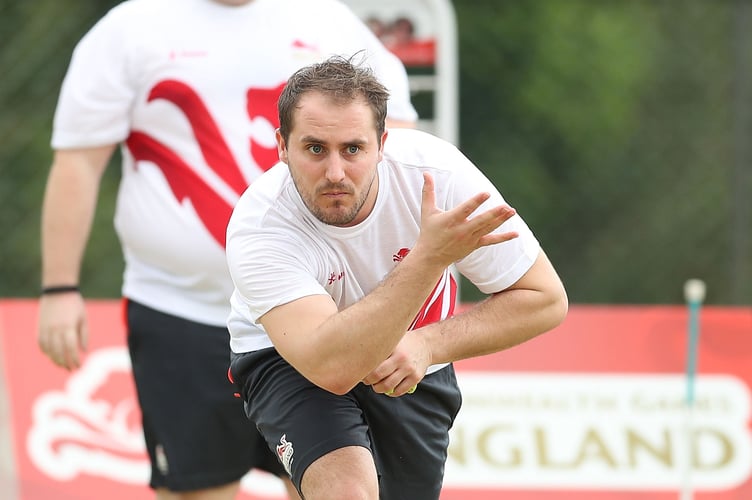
{"x": 399, "y": 37}
{"x": 416, "y": 52}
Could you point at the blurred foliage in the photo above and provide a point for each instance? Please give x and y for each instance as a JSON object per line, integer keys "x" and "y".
{"x": 37, "y": 41}
{"x": 609, "y": 125}
{"x": 617, "y": 129}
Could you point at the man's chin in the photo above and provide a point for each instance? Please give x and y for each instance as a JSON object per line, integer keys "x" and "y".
{"x": 336, "y": 217}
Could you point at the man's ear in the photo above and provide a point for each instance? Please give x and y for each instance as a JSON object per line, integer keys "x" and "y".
{"x": 281, "y": 147}
{"x": 381, "y": 147}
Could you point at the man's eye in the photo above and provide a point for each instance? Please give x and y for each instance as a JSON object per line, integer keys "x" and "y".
{"x": 352, "y": 150}
{"x": 316, "y": 149}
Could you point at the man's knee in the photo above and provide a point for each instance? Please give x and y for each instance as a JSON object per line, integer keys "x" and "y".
{"x": 344, "y": 474}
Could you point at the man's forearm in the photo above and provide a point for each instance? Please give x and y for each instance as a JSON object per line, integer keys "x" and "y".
{"x": 67, "y": 214}
{"x": 536, "y": 304}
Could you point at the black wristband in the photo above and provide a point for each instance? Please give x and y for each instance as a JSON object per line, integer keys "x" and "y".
{"x": 51, "y": 290}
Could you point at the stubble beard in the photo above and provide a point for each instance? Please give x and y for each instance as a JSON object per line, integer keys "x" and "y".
{"x": 337, "y": 214}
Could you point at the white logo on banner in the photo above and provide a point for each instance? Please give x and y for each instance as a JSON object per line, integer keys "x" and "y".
{"x": 85, "y": 428}
{"x": 598, "y": 431}
{"x": 93, "y": 427}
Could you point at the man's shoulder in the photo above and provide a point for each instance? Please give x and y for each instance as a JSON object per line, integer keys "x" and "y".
{"x": 415, "y": 147}
{"x": 267, "y": 187}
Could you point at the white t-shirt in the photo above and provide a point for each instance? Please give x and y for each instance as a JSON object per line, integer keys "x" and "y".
{"x": 190, "y": 88}
{"x": 278, "y": 251}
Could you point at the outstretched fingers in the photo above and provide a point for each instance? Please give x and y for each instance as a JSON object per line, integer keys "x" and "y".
{"x": 453, "y": 234}
{"x": 483, "y": 225}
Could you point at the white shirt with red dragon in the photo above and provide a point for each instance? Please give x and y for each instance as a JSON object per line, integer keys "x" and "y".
{"x": 190, "y": 88}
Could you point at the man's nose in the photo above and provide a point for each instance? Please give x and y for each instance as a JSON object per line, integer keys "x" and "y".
{"x": 335, "y": 169}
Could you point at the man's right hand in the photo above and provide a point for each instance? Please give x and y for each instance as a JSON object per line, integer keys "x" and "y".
{"x": 450, "y": 236}
{"x": 63, "y": 328}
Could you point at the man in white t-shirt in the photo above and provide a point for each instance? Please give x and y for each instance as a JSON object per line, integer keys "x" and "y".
{"x": 343, "y": 328}
{"x": 188, "y": 88}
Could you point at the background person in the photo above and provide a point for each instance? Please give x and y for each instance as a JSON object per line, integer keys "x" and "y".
{"x": 188, "y": 89}
{"x": 340, "y": 256}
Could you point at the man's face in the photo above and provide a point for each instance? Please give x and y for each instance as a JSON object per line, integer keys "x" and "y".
{"x": 332, "y": 153}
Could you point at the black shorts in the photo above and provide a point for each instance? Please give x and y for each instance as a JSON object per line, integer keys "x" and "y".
{"x": 196, "y": 431}
{"x": 408, "y": 436}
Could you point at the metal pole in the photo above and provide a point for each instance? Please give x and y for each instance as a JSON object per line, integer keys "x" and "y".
{"x": 694, "y": 294}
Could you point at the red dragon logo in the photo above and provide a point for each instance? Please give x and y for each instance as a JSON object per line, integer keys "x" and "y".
{"x": 184, "y": 182}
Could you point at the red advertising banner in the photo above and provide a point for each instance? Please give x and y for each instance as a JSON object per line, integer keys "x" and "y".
{"x": 594, "y": 410}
